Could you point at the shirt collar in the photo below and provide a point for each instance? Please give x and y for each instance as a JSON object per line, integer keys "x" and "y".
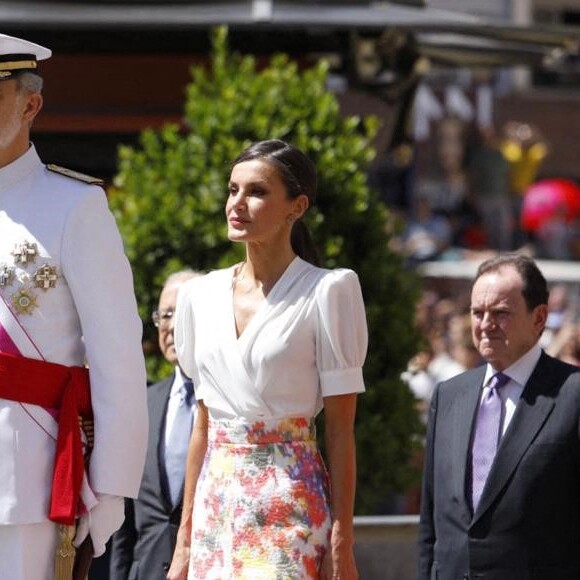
{"x": 19, "y": 168}
{"x": 521, "y": 370}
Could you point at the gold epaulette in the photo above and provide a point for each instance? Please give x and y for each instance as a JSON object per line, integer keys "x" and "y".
{"x": 74, "y": 174}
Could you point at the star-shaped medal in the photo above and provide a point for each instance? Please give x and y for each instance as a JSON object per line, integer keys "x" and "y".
{"x": 24, "y": 301}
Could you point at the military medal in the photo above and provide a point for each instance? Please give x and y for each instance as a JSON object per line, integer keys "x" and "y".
{"x": 25, "y": 252}
{"x": 23, "y": 277}
{"x": 6, "y": 275}
{"x": 24, "y": 301}
{"x": 45, "y": 277}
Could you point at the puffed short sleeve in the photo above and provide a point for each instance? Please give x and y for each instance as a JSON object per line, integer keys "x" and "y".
{"x": 184, "y": 331}
{"x": 342, "y": 337}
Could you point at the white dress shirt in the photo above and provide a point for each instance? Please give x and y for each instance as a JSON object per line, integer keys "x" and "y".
{"x": 510, "y": 393}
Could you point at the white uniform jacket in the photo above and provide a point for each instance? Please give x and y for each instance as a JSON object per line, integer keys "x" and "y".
{"x": 83, "y": 312}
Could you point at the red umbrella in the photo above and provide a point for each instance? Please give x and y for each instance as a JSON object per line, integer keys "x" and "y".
{"x": 547, "y": 199}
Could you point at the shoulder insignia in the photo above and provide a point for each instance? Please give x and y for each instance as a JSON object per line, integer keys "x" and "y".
{"x": 74, "y": 174}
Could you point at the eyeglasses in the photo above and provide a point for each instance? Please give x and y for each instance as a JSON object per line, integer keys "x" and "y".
{"x": 162, "y": 318}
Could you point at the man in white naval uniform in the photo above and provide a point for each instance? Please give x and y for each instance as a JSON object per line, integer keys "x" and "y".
{"x": 66, "y": 297}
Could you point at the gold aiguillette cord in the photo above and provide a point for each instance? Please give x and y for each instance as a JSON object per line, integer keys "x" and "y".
{"x": 65, "y": 553}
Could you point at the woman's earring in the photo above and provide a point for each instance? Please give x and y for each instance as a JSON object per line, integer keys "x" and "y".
{"x": 290, "y": 219}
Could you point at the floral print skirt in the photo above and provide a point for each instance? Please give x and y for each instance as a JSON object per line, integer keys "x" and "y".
{"x": 261, "y": 503}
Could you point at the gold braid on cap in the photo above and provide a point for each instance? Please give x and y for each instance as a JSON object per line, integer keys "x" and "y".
{"x": 7, "y": 68}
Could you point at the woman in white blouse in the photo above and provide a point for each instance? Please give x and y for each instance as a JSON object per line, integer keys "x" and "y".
{"x": 269, "y": 343}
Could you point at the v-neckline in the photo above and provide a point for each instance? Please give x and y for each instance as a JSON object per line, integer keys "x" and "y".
{"x": 263, "y": 305}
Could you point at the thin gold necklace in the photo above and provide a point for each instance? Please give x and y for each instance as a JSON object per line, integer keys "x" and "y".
{"x": 239, "y": 275}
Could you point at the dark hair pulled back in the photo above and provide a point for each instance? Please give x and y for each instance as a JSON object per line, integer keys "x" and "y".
{"x": 298, "y": 174}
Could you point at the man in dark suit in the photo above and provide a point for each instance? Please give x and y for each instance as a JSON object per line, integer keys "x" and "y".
{"x": 143, "y": 547}
{"x": 501, "y": 491}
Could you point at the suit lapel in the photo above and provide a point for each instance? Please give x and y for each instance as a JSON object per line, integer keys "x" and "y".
{"x": 465, "y": 405}
{"x": 532, "y": 411}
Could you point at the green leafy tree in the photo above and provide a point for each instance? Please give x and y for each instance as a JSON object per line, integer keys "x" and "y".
{"x": 169, "y": 196}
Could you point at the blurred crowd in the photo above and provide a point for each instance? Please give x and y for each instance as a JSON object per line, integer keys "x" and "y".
{"x": 479, "y": 191}
{"x": 444, "y": 322}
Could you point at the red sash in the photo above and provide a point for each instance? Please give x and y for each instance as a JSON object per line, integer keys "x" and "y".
{"x": 59, "y": 387}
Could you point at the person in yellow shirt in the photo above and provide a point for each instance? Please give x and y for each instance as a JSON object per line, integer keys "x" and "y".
{"x": 525, "y": 150}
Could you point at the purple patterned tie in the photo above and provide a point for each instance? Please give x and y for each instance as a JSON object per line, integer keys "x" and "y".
{"x": 487, "y": 435}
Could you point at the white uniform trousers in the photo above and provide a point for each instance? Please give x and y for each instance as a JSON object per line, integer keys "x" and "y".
{"x": 27, "y": 551}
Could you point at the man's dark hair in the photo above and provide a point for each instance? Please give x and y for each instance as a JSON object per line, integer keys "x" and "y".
{"x": 535, "y": 287}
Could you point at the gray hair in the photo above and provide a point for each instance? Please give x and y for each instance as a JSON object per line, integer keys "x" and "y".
{"x": 181, "y": 276}
{"x": 29, "y": 82}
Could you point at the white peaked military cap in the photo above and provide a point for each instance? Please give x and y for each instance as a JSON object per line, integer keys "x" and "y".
{"x": 18, "y": 55}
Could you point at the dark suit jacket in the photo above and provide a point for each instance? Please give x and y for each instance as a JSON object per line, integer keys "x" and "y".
{"x": 527, "y": 524}
{"x": 144, "y": 544}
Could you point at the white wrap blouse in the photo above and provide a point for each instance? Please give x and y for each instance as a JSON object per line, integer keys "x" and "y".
{"x": 307, "y": 340}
